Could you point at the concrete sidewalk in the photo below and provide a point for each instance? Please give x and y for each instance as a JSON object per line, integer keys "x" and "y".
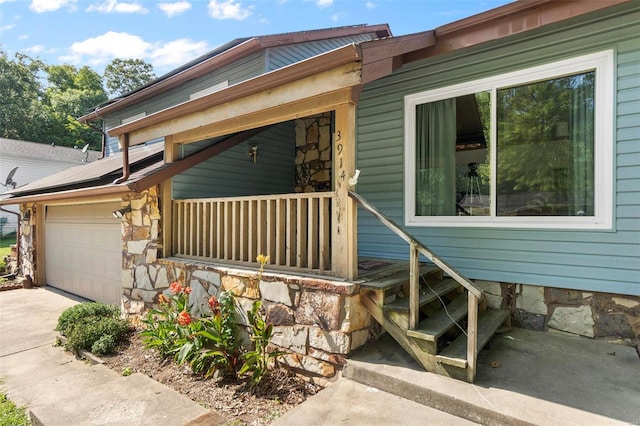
{"x": 61, "y": 390}
{"x": 543, "y": 379}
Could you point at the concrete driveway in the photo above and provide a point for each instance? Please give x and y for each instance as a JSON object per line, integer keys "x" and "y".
{"x": 60, "y": 390}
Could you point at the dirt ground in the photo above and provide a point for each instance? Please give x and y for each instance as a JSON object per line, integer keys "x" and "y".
{"x": 277, "y": 394}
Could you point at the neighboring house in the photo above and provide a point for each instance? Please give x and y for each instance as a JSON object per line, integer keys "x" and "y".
{"x": 504, "y": 146}
{"x": 33, "y": 161}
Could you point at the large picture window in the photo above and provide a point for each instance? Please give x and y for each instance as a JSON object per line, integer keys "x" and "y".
{"x": 531, "y": 148}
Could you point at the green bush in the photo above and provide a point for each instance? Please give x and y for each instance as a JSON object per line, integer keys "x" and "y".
{"x": 10, "y": 414}
{"x": 81, "y": 311}
{"x": 94, "y": 327}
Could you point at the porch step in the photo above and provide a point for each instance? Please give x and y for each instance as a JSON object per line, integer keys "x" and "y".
{"x": 488, "y": 322}
{"x": 395, "y": 276}
{"x": 435, "y": 326}
{"x": 440, "y": 288}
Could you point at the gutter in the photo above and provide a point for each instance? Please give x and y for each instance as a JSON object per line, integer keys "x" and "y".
{"x": 17, "y": 234}
{"x": 94, "y": 192}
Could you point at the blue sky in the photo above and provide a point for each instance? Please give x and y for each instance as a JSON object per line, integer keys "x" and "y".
{"x": 169, "y": 33}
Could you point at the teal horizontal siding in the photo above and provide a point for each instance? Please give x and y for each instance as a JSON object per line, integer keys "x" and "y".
{"x": 592, "y": 260}
{"x": 278, "y": 57}
{"x": 233, "y": 173}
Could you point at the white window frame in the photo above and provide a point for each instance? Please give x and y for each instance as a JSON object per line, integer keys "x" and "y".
{"x": 603, "y": 64}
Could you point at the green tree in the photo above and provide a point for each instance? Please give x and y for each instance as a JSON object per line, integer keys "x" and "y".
{"x": 21, "y": 115}
{"x": 122, "y": 76}
{"x": 72, "y": 92}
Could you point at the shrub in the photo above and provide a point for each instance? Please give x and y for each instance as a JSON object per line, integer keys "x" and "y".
{"x": 11, "y": 414}
{"x": 95, "y": 327}
{"x": 78, "y": 312}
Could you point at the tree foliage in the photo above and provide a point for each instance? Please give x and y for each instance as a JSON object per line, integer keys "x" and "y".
{"x": 41, "y": 103}
{"x": 124, "y": 75}
{"x": 21, "y": 96}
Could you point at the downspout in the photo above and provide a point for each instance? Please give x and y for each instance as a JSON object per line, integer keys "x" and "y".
{"x": 104, "y": 139}
{"x": 125, "y": 160}
{"x": 104, "y": 134}
{"x": 17, "y": 234}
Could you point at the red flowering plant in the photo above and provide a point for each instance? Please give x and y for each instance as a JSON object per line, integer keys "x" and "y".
{"x": 211, "y": 343}
{"x": 170, "y": 325}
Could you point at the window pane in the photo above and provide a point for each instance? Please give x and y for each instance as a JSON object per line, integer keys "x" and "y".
{"x": 452, "y": 161}
{"x": 545, "y": 148}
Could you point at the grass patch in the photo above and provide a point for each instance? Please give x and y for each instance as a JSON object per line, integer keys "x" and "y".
{"x": 11, "y": 414}
{"x": 5, "y": 249}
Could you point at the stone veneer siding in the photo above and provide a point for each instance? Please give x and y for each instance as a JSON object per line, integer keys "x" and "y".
{"x": 28, "y": 242}
{"x": 317, "y": 321}
{"x": 313, "y": 153}
{"x": 589, "y": 314}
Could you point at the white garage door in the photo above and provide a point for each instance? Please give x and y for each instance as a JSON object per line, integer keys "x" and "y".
{"x": 83, "y": 251}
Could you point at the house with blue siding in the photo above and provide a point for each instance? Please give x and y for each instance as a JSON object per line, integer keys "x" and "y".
{"x": 482, "y": 173}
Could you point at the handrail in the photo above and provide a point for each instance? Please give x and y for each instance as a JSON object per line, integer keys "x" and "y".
{"x": 416, "y": 248}
{"x": 462, "y": 280}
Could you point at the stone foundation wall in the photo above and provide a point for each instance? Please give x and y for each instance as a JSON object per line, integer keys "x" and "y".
{"x": 28, "y": 242}
{"x": 589, "y": 314}
{"x": 318, "y": 322}
{"x": 313, "y": 153}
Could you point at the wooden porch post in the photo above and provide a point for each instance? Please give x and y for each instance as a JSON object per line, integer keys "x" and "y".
{"x": 166, "y": 194}
{"x": 344, "y": 250}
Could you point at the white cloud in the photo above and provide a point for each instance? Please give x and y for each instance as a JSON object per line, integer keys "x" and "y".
{"x": 40, "y": 6}
{"x": 115, "y": 6}
{"x": 102, "y": 49}
{"x": 228, "y": 10}
{"x": 164, "y": 56}
{"x": 176, "y": 8}
{"x": 7, "y": 27}
{"x": 324, "y": 3}
{"x": 177, "y": 52}
{"x": 370, "y": 5}
{"x": 38, "y": 48}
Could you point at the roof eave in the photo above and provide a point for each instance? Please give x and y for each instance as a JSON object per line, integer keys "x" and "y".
{"x": 510, "y": 19}
{"x": 83, "y": 193}
{"x": 246, "y": 48}
{"x": 315, "y": 65}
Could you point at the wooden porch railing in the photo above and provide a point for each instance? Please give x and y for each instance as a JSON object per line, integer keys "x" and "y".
{"x": 292, "y": 229}
{"x": 416, "y": 248}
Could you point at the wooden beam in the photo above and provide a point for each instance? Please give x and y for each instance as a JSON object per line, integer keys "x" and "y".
{"x": 279, "y": 98}
{"x": 472, "y": 337}
{"x": 171, "y": 152}
{"x": 40, "y": 273}
{"x": 321, "y": 71}
{"x": 277, "y": 114}
{"x": 176, "y": 166}
{"x": 344, "y": 241}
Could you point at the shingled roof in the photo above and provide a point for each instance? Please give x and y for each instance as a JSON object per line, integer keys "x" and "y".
{"x": 45, "y": 151}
